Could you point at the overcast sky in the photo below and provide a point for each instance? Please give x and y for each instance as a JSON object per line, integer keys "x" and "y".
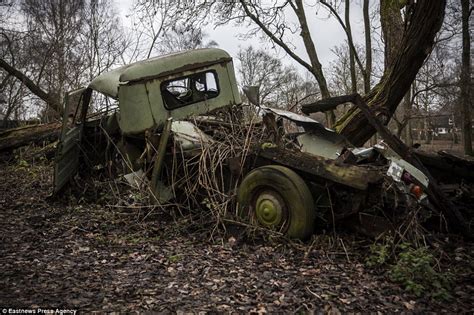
{"x": 326, "y": 32}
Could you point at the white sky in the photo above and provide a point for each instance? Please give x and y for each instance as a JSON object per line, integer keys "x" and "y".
{"x": 326, "y": 32}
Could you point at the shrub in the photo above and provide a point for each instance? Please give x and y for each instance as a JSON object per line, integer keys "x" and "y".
{"x": 413, "y": 268}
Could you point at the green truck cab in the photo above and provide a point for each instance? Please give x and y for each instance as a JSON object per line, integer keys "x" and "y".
{"x": 149, "y": 93}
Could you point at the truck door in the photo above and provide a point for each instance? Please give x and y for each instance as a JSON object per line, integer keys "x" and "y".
{"x": 67, "y": 154}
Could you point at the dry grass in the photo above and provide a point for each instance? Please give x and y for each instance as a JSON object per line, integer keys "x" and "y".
{"x": 201, "y": 182}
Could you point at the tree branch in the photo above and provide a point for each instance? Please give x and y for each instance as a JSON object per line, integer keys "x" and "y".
{"x": 276, "y": 40}
{"x": 349, "y": 36}
{"x": 35, "y": 89}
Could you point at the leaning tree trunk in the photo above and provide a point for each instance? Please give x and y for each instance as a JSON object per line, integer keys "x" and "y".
{"x": 52, "y": 102}
{"x": 423, "y": 21}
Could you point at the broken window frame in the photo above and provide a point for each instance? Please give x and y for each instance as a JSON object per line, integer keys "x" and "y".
{"x": 163, "y": 87}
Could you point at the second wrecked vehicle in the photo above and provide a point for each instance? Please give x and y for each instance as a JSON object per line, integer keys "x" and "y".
{"x": 289, "y": 182}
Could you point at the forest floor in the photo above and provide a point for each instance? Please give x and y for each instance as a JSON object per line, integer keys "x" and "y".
{"x": 73, "y": 253}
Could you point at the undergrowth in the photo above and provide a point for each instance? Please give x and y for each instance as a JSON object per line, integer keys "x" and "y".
{"x": 414, "y": 268}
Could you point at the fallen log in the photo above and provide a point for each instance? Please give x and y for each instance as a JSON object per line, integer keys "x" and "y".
{"x": 18, "y": 137}
{"x": 318, "y": 168}
{"x": 447, "y": 167}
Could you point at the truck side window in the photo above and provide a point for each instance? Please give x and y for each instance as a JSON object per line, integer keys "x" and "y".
{"x": 190, "y": 89}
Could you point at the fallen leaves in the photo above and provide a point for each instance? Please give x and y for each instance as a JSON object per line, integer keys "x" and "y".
{"x": 91, "y": 257}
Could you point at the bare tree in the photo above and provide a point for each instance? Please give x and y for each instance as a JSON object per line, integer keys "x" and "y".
{"x": 169, "y": 26}
{"x": 296, "y": 90}
{"x": 434, "y": 96}
{"x": 258, "y": 68}
{"x": 53, "y": 28}
{"x": 62, "y": 46}
{"x": 11, "y": 90}
{"x": 466, "y": 79}
{"x": 354, "y": 55}
{"x": 49, "y": 49}
{"x": 408, "y": 41}
{"x": 182, "y": 37}
{"x": 339, "y": 74}
{"x": 264, "y": 21}
{"x": 105, "y": 38}
{"x": 150, "y": 23}
{"x": 279, "y": 86}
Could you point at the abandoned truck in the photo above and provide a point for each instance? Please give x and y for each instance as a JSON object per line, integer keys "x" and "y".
{"x": 169, "y": 106}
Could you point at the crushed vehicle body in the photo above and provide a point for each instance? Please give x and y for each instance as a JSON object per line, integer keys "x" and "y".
{"x": 170, "y": 107}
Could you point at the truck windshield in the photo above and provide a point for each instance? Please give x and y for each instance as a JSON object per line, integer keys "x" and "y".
{"x": 189, "y": 89}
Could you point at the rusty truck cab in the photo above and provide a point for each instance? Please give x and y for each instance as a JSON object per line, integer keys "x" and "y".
{"x": 149, "y": 93}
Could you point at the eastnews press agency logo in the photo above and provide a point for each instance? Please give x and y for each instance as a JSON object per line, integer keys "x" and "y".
{"x": 37, "y": 311}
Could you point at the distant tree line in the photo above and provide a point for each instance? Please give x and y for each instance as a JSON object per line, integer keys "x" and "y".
{"x": 414, "y": 54}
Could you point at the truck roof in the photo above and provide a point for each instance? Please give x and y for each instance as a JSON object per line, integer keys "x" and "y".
{"x": 160, "y": 66}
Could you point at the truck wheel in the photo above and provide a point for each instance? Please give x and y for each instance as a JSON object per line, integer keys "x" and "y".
{"x": 277, "y": 198}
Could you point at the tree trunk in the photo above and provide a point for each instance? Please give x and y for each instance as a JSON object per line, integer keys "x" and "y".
{"x": 392, "y": 29}
{"x": 368, "y": 47}
{"x": 368, "y": 58}
{"x": 403, "y": 63}
{"x": 351, "y": 52}
{"x": 427, "y": 129}
{"x": 313, "y": 57}
{"x": 35, "y": 89}
{"x": 466, "y": 80}
{"x": 407, "y": 109}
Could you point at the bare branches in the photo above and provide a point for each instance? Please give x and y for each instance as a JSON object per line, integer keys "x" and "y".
{"x": 348, "y": 34}
{"x": 273, "y": 37}
{"x": 264, "y": 21}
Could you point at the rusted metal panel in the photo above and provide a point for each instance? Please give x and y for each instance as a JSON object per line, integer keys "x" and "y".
{"x": 142, "y": 105}
{"x": 170, "y": 64}
{"x": 108, "y": 83}
{"x": 67, "y": 156}
{"x": 318, "y": 140}
{"x": 157, "y": 67}
{"x": 326, "y": 145}
{"x": 188, "y": 136}
{"x": 299, "y": 119}
{"x": 136, "y": 114}
{"x": 350, "y": 175}
{"x": 396, "y": 160}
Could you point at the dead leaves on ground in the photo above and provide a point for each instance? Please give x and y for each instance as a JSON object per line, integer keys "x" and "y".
{"x": 90, "y": 257}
